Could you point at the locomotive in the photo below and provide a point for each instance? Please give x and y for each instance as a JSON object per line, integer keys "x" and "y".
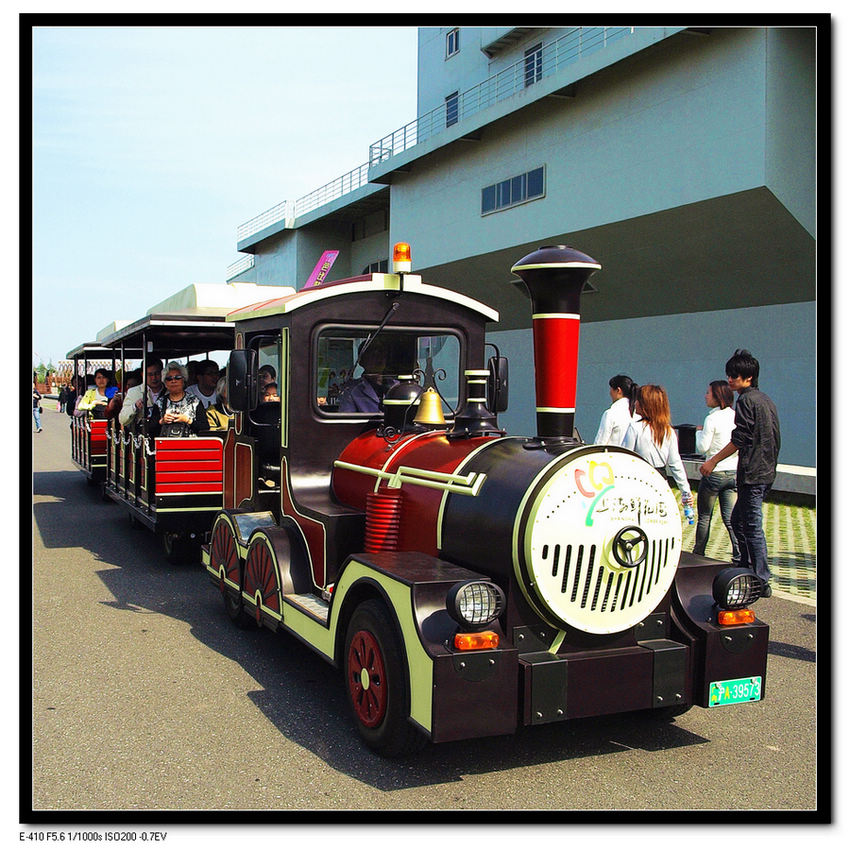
{"x": 466, "y": 582}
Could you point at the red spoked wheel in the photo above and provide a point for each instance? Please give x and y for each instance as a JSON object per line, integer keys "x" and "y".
{"x": 262, "y": 583}
{"x": 223, "y": 553}
{"x": 367, "y": 680}
{"x": 225, "y": 561}
{"x": 377, "y": 682}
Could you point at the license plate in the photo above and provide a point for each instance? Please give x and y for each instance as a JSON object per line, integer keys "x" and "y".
{"x": 730, "y": 691}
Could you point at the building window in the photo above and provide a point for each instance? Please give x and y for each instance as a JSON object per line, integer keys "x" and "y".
{"x": 515, "y": 190}
{"x": 452, "y": 42}
{"x": 451, "y": 109}
{"x": 533, "y": 64}
{"x": 379, "y": 267}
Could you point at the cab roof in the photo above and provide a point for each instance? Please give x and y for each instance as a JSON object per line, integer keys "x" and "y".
{"x": 364, "y": 283}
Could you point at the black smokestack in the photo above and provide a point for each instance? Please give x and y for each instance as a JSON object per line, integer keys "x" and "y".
{"x": 554, "y": 276}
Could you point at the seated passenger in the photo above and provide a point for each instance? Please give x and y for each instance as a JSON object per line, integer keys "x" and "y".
{"x": 181, "y": 414}
{"x": 141, "y": 400}
{"x": 219, "y": 415}
{"x": 206, "y": 377}
{"x": 133, "y": 379}
{"x": 191, "y": 373}
{"x": 99, "y": 401}
{"x": 270, "y": 392}
{"x": 265, "y": 375}
{"x": 365, "y": 394}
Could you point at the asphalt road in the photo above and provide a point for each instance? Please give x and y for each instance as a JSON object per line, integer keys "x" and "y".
{"x": 145, "y": 698}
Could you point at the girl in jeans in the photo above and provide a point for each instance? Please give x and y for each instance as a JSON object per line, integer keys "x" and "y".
{"x": 713, "y": 436}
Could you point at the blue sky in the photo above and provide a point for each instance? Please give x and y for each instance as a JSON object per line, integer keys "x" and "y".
{"x": 152, "y": 144}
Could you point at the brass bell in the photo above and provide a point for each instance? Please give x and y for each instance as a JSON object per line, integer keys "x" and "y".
{"x": 430, "y": 409}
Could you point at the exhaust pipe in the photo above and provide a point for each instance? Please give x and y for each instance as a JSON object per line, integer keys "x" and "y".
{"x": 554, "y": 277}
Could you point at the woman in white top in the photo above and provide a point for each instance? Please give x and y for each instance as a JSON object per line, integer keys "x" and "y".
{"x": 654, "y": 439}
{"x": 715, "y": 433}
{"x": 617, "y": 418}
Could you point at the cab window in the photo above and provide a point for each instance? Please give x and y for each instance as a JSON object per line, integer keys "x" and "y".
{"x": 269, "y": 380}
{"x": 354, "y": 368}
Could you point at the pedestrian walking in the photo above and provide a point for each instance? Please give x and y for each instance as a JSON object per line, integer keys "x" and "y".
{"x": 71, "y": 396}
{"x": 713, "y": 435}
{"x": 756, "y": 439}
{"x": 36, "y": 408}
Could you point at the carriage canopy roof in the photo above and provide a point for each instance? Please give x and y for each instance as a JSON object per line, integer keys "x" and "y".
{"x": 189, "y": 321}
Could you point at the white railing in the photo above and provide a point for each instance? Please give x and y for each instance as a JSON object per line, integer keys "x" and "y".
{"x": 284, "y": 211}
{"x": 508, "y": 82}
{"x": 288, "y": 211}
{"x": 239, "y": 266}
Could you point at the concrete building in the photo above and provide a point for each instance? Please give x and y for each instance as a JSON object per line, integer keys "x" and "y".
{"x": 682, "y": 160}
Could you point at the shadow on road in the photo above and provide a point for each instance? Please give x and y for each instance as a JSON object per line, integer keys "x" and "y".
{"x": 301, "y": 695}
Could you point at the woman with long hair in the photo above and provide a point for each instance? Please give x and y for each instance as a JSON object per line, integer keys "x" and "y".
{"x": 714, "y": 434}
{"x": 655, "y": 441}
{"x": 617, "y": 418}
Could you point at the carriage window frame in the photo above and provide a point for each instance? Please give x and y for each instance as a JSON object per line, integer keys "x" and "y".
{"x": 257, "y": 342}
{"x": 360, "y": 416}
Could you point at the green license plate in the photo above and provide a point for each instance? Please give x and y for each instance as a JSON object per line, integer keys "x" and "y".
{"x": 730, "y": 691}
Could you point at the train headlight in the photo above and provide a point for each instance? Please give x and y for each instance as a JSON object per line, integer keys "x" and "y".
{"x": 475, "y": 603}
{"x": 736, "y": 587}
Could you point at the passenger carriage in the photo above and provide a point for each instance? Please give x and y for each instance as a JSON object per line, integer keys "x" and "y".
{"x": 465, "y": 581}
{"x": 89, "y": 447}
{"x": 172, "y": 485}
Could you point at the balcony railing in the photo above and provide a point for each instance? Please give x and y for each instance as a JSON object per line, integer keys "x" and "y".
{"x": 288, "y": 211}
{"x": 239, "y": 266}
{"x": 515, "y": 78}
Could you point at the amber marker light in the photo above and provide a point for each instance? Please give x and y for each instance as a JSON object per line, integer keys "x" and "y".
{"x": 401, "y": 257}
{"x": 736, "y": 618}
{"x": 476, "y": 640}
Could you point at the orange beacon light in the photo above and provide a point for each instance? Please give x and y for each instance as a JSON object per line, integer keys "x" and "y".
{"x": 401, "y": 258}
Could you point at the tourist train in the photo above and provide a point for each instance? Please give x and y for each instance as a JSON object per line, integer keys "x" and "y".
{"x": 466, "y": 582}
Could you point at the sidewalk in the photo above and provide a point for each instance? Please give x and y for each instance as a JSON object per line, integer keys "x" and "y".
{"x": 791, "y": 533}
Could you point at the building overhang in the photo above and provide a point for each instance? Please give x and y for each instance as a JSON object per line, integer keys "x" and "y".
{"x": 505, "y": 41}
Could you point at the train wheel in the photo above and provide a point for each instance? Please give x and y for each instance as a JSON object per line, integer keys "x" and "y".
{"x": 376, "y": 683}
{"x": 262, "y": 582}
{"x": 224, "y": 556}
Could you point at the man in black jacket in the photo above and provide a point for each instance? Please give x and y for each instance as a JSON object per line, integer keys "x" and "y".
{"x": 756, "y": 439}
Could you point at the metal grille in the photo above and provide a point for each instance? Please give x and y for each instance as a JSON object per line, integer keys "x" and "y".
{"x": 590, "y": 584}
